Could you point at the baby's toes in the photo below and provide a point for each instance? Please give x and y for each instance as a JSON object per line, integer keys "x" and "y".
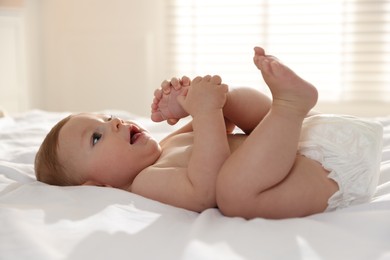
{"x": 156, "y": 101}
{"x": 259, "y": 51}
{"x": 172, "y": 121}
{"x": 157, "y": 116}
{"x": 263, "y": 64}
{"x": 158, "y": 94}
{"x": 166, "y": 86}
{"x": 175, "y": 83}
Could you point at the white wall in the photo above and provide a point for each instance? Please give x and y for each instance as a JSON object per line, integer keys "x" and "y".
{"x": 12, "y": 78}
{"x": 80, "y": 55}
{"x": 14, "y": 85}
{"x": 101, "y": 54}
{"x": 32, "y": 11}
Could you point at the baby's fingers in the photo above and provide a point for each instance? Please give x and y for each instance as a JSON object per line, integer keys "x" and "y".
{"x": 216, "y": 79}
{"x": 197, "y": 79}
{"x": 225, "y": 88}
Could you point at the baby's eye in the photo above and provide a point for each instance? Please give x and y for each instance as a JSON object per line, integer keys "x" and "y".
{"x": 95, "y": 138}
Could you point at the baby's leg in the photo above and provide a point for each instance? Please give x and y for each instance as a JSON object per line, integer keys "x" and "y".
{"x": 269, "y": 153}
{"x": 165, "y": 105}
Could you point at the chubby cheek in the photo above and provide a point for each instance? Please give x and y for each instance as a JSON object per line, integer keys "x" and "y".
{"x": 118, "y": 167}
{"x": 124, "y": 165}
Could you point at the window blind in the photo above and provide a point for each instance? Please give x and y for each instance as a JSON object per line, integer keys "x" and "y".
{"x": 342, "y": 47}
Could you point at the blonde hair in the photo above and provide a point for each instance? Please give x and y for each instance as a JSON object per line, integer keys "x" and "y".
{"x": 48, "y": 168}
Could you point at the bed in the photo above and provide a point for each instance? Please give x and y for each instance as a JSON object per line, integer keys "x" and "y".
{"x": 40, "y": 221}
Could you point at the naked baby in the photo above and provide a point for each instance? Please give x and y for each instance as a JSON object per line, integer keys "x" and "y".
{"x": 277, "y": 169}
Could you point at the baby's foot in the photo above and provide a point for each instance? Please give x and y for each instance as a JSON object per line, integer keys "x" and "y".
{"x": 165, "y": 105}
{"x": 287, "y": 88}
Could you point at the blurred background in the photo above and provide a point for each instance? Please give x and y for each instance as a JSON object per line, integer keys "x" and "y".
{"x": 89, "y": 55}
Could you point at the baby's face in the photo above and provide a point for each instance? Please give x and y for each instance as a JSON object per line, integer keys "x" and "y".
{"x": 104, "y": 150}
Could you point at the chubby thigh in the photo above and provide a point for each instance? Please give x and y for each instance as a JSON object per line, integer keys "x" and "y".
{"x": 305, "y": 191}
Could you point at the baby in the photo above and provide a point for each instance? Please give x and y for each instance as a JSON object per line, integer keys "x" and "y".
{"x": 278, "y": 168}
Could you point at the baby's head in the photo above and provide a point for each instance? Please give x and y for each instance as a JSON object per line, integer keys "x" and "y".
{"x": 95, "y": 149}
{"x": 48, "y": 168}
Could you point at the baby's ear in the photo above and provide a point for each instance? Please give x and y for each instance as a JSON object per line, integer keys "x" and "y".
{"x": 94, "y": 183}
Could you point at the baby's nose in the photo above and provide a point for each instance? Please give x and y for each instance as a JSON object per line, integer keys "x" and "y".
{"x": 116, "y": 122}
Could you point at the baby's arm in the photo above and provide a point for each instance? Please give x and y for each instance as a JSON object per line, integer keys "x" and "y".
{"x": 193, "y": 185}
{"x": 204, "y": 102}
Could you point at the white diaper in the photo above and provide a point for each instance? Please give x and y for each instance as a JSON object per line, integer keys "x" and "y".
{"x": 350, "y": 149}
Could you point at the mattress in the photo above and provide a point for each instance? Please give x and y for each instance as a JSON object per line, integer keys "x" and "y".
{"x": 40, "y": 221}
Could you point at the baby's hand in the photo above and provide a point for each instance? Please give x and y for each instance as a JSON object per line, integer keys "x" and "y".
{"x": 204, "y": 95}
{"x": 165, "y": 105}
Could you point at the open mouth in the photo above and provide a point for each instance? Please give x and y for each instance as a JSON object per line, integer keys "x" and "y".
{"x": 135, "y": 133}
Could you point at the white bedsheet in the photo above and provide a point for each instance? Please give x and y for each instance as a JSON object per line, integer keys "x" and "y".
{"x": 39, "y": 221}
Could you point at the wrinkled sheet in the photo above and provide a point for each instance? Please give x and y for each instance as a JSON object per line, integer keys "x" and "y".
{"x": 39, "y": 221}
